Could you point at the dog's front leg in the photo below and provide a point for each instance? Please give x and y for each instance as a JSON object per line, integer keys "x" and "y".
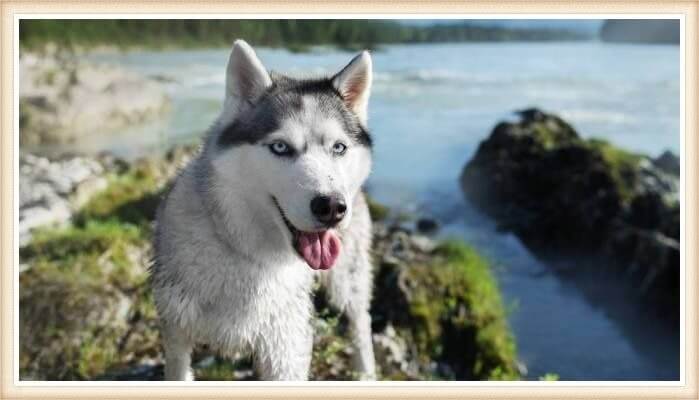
{"x": 284, "y": 354}
{"x": 178, "y": 349}
{"x": 360, "y": 334}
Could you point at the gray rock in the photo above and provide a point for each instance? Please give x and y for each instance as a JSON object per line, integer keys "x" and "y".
{"x": 427, "y": 225}
{"x": 62, "y": 100}
{"x": 668, "y": 162}
{"x": 49, "y": 191}
{"x": 423, "y": 243}
{"x": 392, "y": 353}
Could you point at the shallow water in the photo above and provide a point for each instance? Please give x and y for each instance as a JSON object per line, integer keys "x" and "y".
{"x": 431, "y": 106}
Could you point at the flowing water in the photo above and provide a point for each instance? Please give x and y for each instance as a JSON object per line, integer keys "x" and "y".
{"x": 431, "y": 106}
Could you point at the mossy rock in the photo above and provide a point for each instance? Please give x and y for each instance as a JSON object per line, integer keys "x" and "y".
{"x": 450, "y": 306}
{"x": 540, "y": 179}
{"x": 566, "y": 196}
{"x": 82, "y": 302}
{"x": 85, "y": 306}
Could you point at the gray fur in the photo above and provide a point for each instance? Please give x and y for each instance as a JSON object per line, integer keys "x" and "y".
{"x": 225, "y": 271}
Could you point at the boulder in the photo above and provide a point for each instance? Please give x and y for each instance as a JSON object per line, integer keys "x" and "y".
{"x": 62, "y": 99}
{"x": 50, "y": 190}
{"x": 562, "y": 194}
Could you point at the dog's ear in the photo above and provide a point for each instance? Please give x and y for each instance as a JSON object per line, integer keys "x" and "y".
{"x": 354, "y": 84}
{"x": 246, "y": 77}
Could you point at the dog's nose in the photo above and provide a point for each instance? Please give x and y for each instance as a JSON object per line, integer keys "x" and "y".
{"x": 328, "y": 209}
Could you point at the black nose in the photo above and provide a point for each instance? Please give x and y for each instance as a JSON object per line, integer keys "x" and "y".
{"x": 328, "y": 209}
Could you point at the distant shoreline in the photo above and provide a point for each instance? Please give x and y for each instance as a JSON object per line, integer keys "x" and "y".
{"x": 295, "y": 35}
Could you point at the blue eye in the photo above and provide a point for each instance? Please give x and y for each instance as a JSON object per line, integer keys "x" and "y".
{"x": 339, "y": 148}
{"x": 280, "y": 148}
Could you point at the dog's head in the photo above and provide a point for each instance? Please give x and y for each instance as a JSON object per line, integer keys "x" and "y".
{"x": 302, "y": 146}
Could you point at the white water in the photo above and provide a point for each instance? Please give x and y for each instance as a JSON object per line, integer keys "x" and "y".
{"x": 431, "y": 106}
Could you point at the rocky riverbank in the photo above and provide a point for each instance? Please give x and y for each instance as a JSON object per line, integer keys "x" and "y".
{"x": 63, "y": 98}
{"x": 568, "y": 196}
{"x": 86, "y": 311}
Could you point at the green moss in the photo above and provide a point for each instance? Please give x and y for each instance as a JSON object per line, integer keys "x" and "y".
{"x": 549, "y": 376}
{"x": 68, "y": 327}
{"x": 552, "y": 133}
{"x": 623, "y": 166}
{"x": 97, "y": 250}
{"x": 330, "y": 359}
{"x": 222, "y": 369}
{"x": 87, "y": 310}
{"x": 458, "y": 314}
{"x": 545, "y": 137}
{"x": 129, "y": 198}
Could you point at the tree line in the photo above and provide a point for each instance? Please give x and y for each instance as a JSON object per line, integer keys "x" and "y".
{"x": 294, "y": 34}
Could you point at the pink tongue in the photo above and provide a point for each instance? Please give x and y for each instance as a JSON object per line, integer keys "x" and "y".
{"x": 320, "y": 250}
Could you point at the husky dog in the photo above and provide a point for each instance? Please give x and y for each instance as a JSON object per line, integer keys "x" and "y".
{"x": 272, "y": 200}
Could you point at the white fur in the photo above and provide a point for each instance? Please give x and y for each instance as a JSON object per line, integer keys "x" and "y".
{"x": 226, "y": 273}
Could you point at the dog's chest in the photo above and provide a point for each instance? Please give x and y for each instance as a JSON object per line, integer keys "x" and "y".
{"x": 248, "y": 301}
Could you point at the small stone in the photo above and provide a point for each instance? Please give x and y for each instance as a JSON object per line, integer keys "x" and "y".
{"x": 427, "y": 225}
{"x": 423, "y": 243}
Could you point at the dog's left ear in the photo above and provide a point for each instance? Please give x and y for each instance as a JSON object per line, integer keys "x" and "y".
{"x": 354, "y": 84}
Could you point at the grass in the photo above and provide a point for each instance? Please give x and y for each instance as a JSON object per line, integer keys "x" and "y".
{"x": 222, "y": 369}
{"x": 460, "y": 313}
{"x": 72, "y": 316}
{"x": 450, "y": 309}
{"x": 550, "y": 377}
{"x": 130, "y": 198}
{"x": 84, "y": 303}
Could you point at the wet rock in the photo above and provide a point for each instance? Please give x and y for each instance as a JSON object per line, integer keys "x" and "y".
{"x": 563, "y": 194}
{"x": 668, "y": 162}
{"x": 427, "y": 225}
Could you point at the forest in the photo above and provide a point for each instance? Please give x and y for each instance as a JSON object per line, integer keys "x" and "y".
{"x": 293, "y": 34}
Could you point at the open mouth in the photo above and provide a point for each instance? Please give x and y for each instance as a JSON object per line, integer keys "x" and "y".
{"x": 320, "y": 250}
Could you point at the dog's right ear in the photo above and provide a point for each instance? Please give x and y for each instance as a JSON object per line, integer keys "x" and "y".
{"x": 246, "y": 77}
